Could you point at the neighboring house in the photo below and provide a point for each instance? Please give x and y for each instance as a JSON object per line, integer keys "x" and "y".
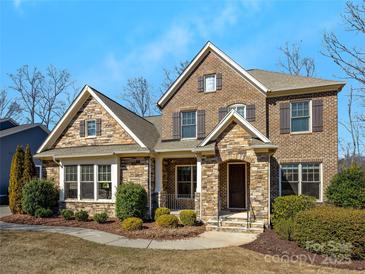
{"x": 228, "y": 141}
{"x": 11, "y": 135}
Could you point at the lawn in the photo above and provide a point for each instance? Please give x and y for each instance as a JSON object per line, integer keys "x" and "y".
{"x": 32, "y": 252}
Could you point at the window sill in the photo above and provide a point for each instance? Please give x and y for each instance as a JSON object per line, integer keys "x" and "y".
{"x": 212, "y": 91}
{"x": 187, "y": 139}
{"x": 101, "y": 201}
{"x": 90, "y": 137}
{"x": 301, "y": 133}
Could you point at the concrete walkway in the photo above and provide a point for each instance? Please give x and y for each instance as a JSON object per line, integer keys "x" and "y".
{"x": 4, "y": 210}
{"x": 206, "y": 240}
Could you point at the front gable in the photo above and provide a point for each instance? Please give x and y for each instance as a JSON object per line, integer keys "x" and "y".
{"x": 111, "y": 133}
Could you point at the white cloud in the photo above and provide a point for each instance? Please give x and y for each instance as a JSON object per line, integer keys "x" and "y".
{"x": 17, "y": 3}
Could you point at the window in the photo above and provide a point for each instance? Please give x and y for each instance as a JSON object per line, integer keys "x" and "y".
{"x": 240, "y": 108}
{"x": 300, "y": 116}
{"x": 87, "y": 182}
{"x": 104, "y": 182}
{"x": 91, "y": 128}
{"x": 210, "y": 83}
{"x": 186, "y": 181}
{"x": 70, "y": 178}
{"x": 38, "y": 171}
{"x": 188, "y": 124}
{"x": 301, "y": 179}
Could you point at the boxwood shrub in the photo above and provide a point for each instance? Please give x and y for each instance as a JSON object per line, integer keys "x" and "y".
{"x": 167, "y": 221}
{"x": 347, "y": 188}
{"x": 132, "y": 224}
{"x": 131, "y": 201}
{"x": 101, "y": 218}
{"x": 67, "y": 214}
{"x": 188, "y": 217}
{"x": 39, "y": 194}
{"x": 81, "y": 215}
{"x": 43, "y": 213}
{"x": 328, "y": 224}
{"x": 161, "y": 211}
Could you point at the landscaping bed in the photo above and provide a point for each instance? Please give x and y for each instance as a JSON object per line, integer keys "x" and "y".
{"x": 150, "y": 229}
{"x": 270, "y": 243}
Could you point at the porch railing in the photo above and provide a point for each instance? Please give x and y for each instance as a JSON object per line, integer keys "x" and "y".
{"x": 177, "y": 201}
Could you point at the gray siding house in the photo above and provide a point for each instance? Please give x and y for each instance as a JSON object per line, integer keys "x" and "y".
{"x": 11, "y": 135}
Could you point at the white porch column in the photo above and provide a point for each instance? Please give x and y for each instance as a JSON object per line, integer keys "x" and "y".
{"x": 158, "y": 174}
{"x": 198, "y": 174}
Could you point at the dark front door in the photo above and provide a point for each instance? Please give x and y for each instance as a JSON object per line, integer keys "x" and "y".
{"x": 237, "y": 185}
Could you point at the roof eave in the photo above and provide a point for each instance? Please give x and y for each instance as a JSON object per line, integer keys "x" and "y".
{"x": 315, "y": 89}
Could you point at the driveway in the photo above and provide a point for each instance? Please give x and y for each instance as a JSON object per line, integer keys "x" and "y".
{"x": 4, "y": 210}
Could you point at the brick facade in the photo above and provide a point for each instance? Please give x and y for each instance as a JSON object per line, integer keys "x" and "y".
{"x": 111, "y": 132}
{"x": 235, "y": 89}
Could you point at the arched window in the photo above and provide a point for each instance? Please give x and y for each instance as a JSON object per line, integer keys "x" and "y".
{"x": 240, "y": 108}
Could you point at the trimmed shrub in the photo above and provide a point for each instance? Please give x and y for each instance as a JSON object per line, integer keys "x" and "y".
{"x": 347, "y": 188}
{"x": 39, "y": 194}
{"x": 325, "y": 225}
{"x": 131, "y": 201}
{"x": 15, "y": 181}
{"x": 81, "y": 215}
{"x": 67, "y": 214}
{"x": 132, "y": 224}
{"x": 188, "y": 217}
{"x": 167, "y": 221}
{"x": 43, "y": 213}
{"x": 100, "y": 218}
{"x": 285, "y": 228}
{"x": 161, "y": 211}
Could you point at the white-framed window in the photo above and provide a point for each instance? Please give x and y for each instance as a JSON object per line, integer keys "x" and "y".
{"x": 301, "y": 179}
{"x": 38, "y": 171}
{"x": 210, "y": 83}
{"x": 185, "y": 181}
{"x": 90, "y": 128}
{"x": 188, "y": 124}
{"x": 87, "y": 182}
{"x": 300, "y": 116}
{"x": 240, "y": 108}
{"x": 70, "y": 182}
{"x": 104, "y": 182}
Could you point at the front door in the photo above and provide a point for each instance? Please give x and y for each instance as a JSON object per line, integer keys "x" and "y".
{"x": 237, "y": 185}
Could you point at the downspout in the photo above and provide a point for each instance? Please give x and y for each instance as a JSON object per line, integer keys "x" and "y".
{"x": 54, "y": 160}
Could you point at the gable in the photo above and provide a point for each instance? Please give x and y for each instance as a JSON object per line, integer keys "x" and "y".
{"x": 111, "y": 132}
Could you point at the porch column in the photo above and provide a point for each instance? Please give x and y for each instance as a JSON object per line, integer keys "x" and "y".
{"x": 158, "y": 173}
{"x": 199, "y": 174}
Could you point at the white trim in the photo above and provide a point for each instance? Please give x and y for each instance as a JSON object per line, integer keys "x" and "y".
{"x": 158, "y": 174}
{"x": 310, "y": 116}
{"x": 234, "y": 106}
{"x": 233, "y": 115}
{"x": 321, "y": 183}
{"x": 196, "y": 124}
{"x": 215, "y": 82}
{"x": 86, "y": 129}
{"x": 40, "y": 171}
{"x": 246, "y": 190}
{"x": 191, "y": 182}
{"x": 199, "y": 174}
{"x": 209, "y": 46}
{"x": 69, "y": 114}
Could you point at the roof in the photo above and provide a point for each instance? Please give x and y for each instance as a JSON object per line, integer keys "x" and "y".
{"x": 21, "y": 128}
{"x": 277, "y": 81}
{"x": 73, "y": 152}
{"x": 2, "y": 120}
{"x": 208, "y": 47}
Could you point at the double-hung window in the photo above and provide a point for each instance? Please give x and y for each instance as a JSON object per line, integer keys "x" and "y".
{"x": 186, "y": 181}
{"x": 300, "y": 116}
{"x": 210, "y": 83}
{"x": 70, "y": 182}
{"x": 240, "y": 108}
{"x": 104, "y": 182}
{"x": 188, "y": 124}
{"x": 87, "y": 182}
{"x": 301, "y": 179}
{"x": 91, "y": 128}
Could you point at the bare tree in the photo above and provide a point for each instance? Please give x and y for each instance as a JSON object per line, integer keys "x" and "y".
{"x": 55, "y": 84}
{"x": 294, "y": 63}
{"x": 137, "y": 93}
{"x": 9, "y": 108}
{"x": 29, "y": 86}
{"x": 171, "y": 75}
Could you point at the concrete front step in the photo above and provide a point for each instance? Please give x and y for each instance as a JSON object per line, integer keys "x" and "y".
{"x": 234, "y": 229}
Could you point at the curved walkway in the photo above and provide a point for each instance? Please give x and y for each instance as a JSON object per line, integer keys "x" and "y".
{"x": 205, "y": 240}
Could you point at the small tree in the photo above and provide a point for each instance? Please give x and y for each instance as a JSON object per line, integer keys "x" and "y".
{"x": 29, "y": 167}
{"x": 15, "y": 182}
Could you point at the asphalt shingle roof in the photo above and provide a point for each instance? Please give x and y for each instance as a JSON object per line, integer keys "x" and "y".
{"x": 20, "y": 128}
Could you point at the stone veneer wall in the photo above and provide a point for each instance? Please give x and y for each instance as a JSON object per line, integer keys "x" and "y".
{"x": 90, "y": 207}
{"x": 50, "y": 171}
{"x": 210, "y": 187}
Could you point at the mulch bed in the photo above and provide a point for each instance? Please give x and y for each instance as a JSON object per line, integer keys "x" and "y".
{"x": 270, "y": 243}
{"x": 149, "y": 231}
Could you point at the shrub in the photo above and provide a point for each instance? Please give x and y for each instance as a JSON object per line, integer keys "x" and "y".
{"x": 167, "y": 221}
{"x": 285, "y": 228}
{"x": 100, "y": 218}
{"x": 39, "y": 194}
{"x": 43, "y": 213}
{"x": 161, "y": 211}
{"x": 67, "y": 214}
{"x": 81, "y": 215}
{"x": 131, "y": 201}
{"x": 29, "y": 167}
{"x": 188, "y": 217}
{"x": 132, "y": 224}
{"x": 347, "y": 188}
{"x": 15, "y": 181}
{"x": 327, "y": 224}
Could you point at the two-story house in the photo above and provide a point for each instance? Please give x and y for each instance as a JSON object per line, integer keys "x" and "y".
{"x": 227, "y": 142}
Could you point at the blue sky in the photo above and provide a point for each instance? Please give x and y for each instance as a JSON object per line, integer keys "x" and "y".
{"x": 103, "y": 43}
